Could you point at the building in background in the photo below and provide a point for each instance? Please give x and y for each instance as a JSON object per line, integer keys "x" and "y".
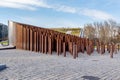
{"x": 3, "y": 32}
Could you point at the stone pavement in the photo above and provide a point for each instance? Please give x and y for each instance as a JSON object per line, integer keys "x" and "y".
{"x": 26, "y": 65}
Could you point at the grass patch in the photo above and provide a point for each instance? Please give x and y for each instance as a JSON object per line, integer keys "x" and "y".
{"x": 74, "y": 31}
{"x": 4, "y": 42}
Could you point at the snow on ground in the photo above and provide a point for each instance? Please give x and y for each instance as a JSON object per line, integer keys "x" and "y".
{"x": 26, "y": 65}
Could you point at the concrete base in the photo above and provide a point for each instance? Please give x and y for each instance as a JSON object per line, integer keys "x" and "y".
{"x": 7, "y": 47}
{"x": 2, "y": 66}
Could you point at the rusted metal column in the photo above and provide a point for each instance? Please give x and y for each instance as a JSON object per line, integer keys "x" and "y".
{"x": 108, "y": 48}
{"x": 37, "y": 43}
{"x": 58, "y": 47}
{"x": 35, "y": 40}
{"x": 45, "y": 45}
{"x": 64, "y": 49}
{"x": 82, "y": 46}
{"x": 38, "y": 40}
{"x": 28, "y": 39}
{"x": 92, "y": 46}
{"x": 111, "y": 51}
{"x": 24, "y": 36}
{"x": 118, "y": 47}
{"x": 74, "y": 51}
{"x": 49, "y": 45}
{"x": 98, "y": 47}
{"x": 102, "y": 48}
{"x": 31, "y": 40}
{"x": 42, "y": 43}
{"x": 19, "y": 36}
{"x": 25, "y": 39}
{"x": 115, "y": 49}
{"x": 70, "y": 45}
{"x": 89, "y": 49}
{"x": 62, "y": 41}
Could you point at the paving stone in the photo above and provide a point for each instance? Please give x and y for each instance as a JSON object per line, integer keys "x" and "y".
{"x": 26, "y": 65}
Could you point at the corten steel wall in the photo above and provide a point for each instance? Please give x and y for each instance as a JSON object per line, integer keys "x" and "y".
{"x": 44, "y": 40}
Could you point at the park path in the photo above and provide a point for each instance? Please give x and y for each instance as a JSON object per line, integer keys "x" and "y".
{"x": 26, "y": 65}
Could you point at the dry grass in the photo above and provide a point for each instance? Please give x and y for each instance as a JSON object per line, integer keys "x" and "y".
{"x": 74, "y": 31}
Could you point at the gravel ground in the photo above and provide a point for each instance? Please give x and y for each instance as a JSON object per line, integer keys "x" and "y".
{"x": 26, "y": 65}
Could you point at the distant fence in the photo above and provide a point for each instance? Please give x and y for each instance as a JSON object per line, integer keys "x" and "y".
{"x": 44, "y": 40}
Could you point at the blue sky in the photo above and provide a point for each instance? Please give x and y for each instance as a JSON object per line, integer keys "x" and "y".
{"x": 59, "y": 13}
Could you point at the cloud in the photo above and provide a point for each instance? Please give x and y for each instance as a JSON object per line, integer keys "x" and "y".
{"x": 65, "y": 9}
{"x": 96, "y": 14}
{"x": 23, "y": 4}
{"x": 92, "y": 13}
{"x": 35, "y": 4}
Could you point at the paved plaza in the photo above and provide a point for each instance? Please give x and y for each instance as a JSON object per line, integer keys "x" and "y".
{"x": 26, "y": 65}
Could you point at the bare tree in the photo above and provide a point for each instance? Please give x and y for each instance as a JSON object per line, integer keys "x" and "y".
{"x": 104, "y": 31}
{"x": 89, "y": 31}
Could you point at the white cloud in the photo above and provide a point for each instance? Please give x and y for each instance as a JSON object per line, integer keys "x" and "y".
{"x": 96, "y": 14}
{"x": 23, "y": 4}
{"x": 65, "y": 9}
{"x": 13, "y": 5}
{"x": 92, "y": 13}
{"x": 35, "y": 4}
